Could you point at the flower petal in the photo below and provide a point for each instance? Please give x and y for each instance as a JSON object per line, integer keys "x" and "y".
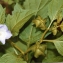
{"x": 4, "y": 33}
{"x": 8, "y": 35}
{"x": 3, "y": 27}
{"x": 3, "y": 41}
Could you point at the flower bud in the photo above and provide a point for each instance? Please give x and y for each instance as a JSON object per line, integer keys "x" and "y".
{"x": 40, "y": 50}
{"x": 36, "y": 22}
{"x": 42, "y": 26}
{"x": 61, "y": 26}
{"x": 59, "y": 18}
{"x": 40, "y": 23}
{"x": 54, "y": 30}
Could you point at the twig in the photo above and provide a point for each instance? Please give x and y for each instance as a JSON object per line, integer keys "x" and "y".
{"x": 15, "y": 46}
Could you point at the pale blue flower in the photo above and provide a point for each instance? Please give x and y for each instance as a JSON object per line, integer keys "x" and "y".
{"x": 4, "y": 33}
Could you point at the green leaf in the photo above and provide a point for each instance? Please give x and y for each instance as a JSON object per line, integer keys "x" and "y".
{"x": 32, "y": 4}
{"x": 18, "y": 18}
{"x": 50, "y": 46}
{"x": 59, "y": 44}
{"x": 30, "y": 34}
{"x": 2, "y": 14}
{"x": 52, "y": 56}
{"x": 21, "y": 45}
{"x": 30, "y": 56}
{"x": 11, "y": 58}
{"x": 43, "y": 9}
{"x": 43, "y": 3}
{"x": 11, "y": 1}
{"x": 43, "y": 12}
{"x": 16, "y": 1}
{"x": 8, "y": 1}
{"x": 54, "y": 8}
{"x": 35, "y": 4}
{"x": 9, "y": 49}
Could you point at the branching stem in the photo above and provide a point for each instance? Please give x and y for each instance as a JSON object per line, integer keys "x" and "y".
{"x": 30, "y": 48}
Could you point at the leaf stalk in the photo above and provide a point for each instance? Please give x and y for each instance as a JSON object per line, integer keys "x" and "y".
{"x": 15, "y": 46}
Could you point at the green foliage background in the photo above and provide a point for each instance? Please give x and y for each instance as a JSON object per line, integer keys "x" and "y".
{"x": 26, "y": 34}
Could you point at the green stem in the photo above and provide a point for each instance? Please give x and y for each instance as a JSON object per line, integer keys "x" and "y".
{"x": 48, "y": 40}
{"x": 52, "y": 41}
{"x": 33, "y": 47}
{"x": 15, "y": 46}
{"x": 41, "y": 40}
{"x": 30, "y": 48}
